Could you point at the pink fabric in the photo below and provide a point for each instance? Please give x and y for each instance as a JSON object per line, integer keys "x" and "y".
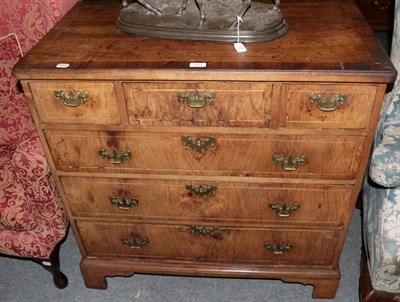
{"x": 16, "y": 213}
{"x": 31, "y": 19}
{"x": 15, "y": 119}
{"x": 32, "y": 218}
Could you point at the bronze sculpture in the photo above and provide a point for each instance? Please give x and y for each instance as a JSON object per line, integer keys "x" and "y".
{"x": 244, "y": 8}
{"x": 211, "y": 20}
{"x": 125, "y": 3}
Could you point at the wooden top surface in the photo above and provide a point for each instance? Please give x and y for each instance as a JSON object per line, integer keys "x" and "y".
{"x": 326, "y": 41}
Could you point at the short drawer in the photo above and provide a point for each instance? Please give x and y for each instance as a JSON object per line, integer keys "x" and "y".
{"x": 213, "y": 154}
{"x": 199, "y": 104}
{"x": 214, "y": 200}
{"x": 76, "y": 102}
{"x": 208, "y": 243}
{"x": 327, "y": 106}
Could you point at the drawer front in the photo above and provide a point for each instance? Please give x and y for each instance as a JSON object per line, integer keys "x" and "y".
{"x": 327, "y": 106}
{"x": 208, "y": 243}
{"x": 76, "y": 102}
{"x": 199, "y": 104}
{"x": 211, "y": 200}
{"x": 326, "y": 157}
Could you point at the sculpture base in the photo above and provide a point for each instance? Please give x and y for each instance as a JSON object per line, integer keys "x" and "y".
{"x": 262, "y": 22}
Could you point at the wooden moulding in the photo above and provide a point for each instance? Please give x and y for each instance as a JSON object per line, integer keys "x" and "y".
{"x": 262, "y": 22}
{"x": 95, "y": 271}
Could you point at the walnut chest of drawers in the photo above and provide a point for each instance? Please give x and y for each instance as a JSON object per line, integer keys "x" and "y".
{"x": 249, "y": 167}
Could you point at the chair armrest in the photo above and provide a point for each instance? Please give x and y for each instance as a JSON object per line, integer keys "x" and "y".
{"x": 385, "y": 161}
{"x": 34, "y": 174}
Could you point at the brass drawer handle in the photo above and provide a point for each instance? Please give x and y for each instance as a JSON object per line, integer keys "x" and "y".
{"x": 135, "y": 243}
{"x": 124, "y": 203}
{"x": 195, "y": 230}
{"x": 278, "y": 249}
{"x": 284, "y": 210}
{"x": 326, "y": 103}
{"x": 116, "y": 157}
{"x": 71, "y": 100}
{"x": 199, "y": 145}
{"x": 201, "y": 191}
{"x": 290, "y": 163}
{"x": 378, "y": 4}
{"x": 196, "y": 100}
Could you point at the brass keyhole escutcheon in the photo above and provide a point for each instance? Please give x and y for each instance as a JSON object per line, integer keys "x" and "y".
{"x": 124, "y": 203}
{"x": 115, "y": 157}
{"x": 199, "y": 145}
{"x": 206, "y": 231}
{"x": 278, "y": 249}
{"x": 201, "y": 191}
{"x": 135, "y": 243}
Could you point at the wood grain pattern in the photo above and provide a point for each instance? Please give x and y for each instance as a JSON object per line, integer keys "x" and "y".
{"x": 299, "y": 112}
{"x": 329, "y": 157}
{"x": 313, "y": 46}
{"x": 235, "y": 104}
{"x": 235, "y": 245}
{"x": 325, "y": 282}
{"x": 245, "y": 203}
{"x": 101, "y": 107}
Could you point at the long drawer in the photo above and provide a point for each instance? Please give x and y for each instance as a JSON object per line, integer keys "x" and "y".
{"x": 285, "y": 156}
{"x": 208, "y": 243}
{"x": 212, "y": 200}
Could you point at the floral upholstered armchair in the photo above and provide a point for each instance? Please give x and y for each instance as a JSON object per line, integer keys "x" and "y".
{"x": 32, "y": 219}
{"x": 380, "y": 278}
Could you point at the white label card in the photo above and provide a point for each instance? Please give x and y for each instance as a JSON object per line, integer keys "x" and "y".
{"x": 62, "y": 65}
{"x": 240, "y": 47}
{"x": 197, "y": 64}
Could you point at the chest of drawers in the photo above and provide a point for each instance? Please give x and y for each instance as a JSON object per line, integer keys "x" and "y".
{"x": 249, "y": 167}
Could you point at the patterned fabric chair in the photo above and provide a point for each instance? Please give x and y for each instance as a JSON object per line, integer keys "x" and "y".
{"x": 380, "y": 278}
{"x": 32, "y": 219}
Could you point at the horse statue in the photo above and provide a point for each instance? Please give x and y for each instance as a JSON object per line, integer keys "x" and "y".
{"x": 200, "y": 5}
{"x": 154, "y": 10}
{"x": 246, "y": 5}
